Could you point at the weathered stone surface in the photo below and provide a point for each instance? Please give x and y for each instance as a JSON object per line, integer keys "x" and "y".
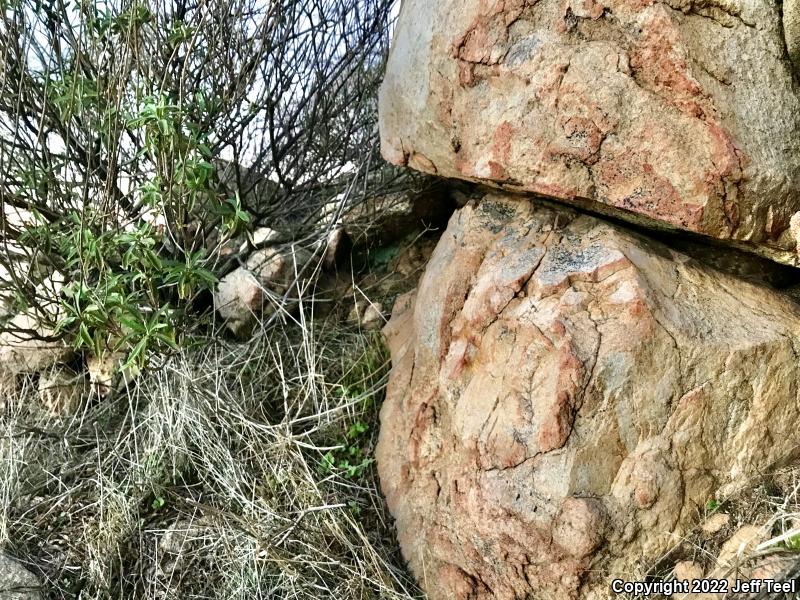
{"x": 791, "y": 30}
{"x": 773, "y": 566}
{"x": 688, "y": 570}
{"x": 25, "y": 346}
{"x": 61, "y": 391}
{"x": 715, "y": 523}
{"x": 565, "y": 394}
{"x": 105, "y": 370}
{"x": 367, "y": 314}
{"x": 259, "y": 238}
{"x": 257, "y": 288}
{"x": 278, "y": 268}
{"x": 338, "y": 246}
{"x": 673, "y": 113}
{"x": 384, "y": 219}
{"x": 740, "y": 546}
{"x": 238, "y": 298}
{"x": 16, "y": 582}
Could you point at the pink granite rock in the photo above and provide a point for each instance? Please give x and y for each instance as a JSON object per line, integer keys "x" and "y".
{"x": 565, "y": 394}
{"x": 678, "y": 114}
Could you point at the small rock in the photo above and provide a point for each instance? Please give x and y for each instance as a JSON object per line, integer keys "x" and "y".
{"x": 688, "y": 570}
{"x": 578, "y": 530}
{"x": 277, "y": 268}
{"x": 228, "y": 248}
{"x": 368, "y": 315}
{"x": 373, "y": 316}
{"x": 740, "y": 544}
{"x": 242, "y": 295}
{"x": 794, "y": 228}
{"x": 715, "y": 523}
{"x": 267, "y": 265}
{"x": 265, "y": 234}
{"x": 238, "y": 299}
{"x": 61, "y": 391}
{"x": 773, "y": 566}
{"x": 337, "y": 248}
{"x": 103, "y": 369}
{"x": 16, "y": 582}
{"x": 260, "y": 236}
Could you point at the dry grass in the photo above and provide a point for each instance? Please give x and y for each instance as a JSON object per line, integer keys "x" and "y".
{"x": 207, "y": 477}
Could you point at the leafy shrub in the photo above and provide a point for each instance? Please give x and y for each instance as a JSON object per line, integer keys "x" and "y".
{"x": 114, "y": 118}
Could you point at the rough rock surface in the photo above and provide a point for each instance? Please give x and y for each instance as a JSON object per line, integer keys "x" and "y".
{"x": 238, "y": 299}
{"x": 278, "y": 268}
{"x": 254, "y": 290}
{"x": 61, "y": 391}
{"x": 565, "y": 394}
{"x": 384, "y": 219}
{"x": 104, "y": 370}
{"x": 22, "y": 349}
{"x": 791, "y": 30}
{"x": 16, "y": 582}
{"x": 673, "y": 113}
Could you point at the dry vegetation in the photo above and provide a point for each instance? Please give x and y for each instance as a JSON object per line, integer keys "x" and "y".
{"x": 227, "y": 469}
{"x": 208, "y": 477}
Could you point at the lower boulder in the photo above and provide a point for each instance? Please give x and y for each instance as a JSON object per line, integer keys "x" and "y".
{"x": 565, "y": 394}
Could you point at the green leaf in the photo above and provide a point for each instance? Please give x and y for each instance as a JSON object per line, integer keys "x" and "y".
{"x": 356, "y": 430}
{"x": 84, "y": 338}
{"x": 793, "y": 543}
{"x": 327, "y": 463}
{"x": 137, "y": 355}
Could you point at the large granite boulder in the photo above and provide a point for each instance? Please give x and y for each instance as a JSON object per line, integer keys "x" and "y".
{"x": 791, "y": 31}
{"x": 676, "y": 114}
{"x": 565, "y": 394}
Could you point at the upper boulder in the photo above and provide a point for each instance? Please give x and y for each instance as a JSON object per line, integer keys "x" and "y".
{"x": 676, "y": 114}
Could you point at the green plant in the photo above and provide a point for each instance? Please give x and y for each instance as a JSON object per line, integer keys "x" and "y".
{"x": 362, "y": 376}
{"x": 363, "y": 373}
{"x": 126, "y": 288}
{"x": 350, "y": 457}
{"x": 117, "y": 117}
{"x": 793, "y": 543}
{"x": 119, "y": 291}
